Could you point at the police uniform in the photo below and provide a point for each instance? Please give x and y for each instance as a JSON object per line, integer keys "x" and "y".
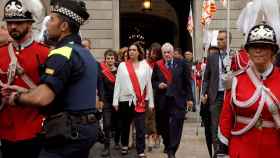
{"x": 19, "y": 126}
{"x": 249, "y": 122}
{"x": 71, "y": 73}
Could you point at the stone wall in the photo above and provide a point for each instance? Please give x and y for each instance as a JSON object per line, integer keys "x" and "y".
{"x": 103, "y": 26}
{"x": 220, "y": 22}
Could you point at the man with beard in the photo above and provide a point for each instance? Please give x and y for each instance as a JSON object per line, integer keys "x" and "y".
{"x": 20, "y": 63}
{"x": 107, "y": 84}
{"x": 68, "y": 86}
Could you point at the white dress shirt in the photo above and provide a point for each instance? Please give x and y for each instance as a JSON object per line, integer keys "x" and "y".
{"x": 221, "y": 73}
{"x": 124, "y": 91}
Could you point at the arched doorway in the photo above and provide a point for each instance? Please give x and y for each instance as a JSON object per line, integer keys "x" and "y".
{"x": 157, "y": 25}
{"x": 153, "y": 28}
{"x": 166, "y": 22}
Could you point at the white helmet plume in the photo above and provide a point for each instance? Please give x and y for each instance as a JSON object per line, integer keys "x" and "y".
{"x": 247, "y": 17}
{"x": 267, "y": 9}
{"x": 43, "y": 29}
{"x": 36, "y": 8}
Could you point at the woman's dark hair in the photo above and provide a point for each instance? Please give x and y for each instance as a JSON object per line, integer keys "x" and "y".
{"x": 111, "y": 52}
{"x": 140, "y": 49}
{"x": 156, "y": 48}
{"x": 122, "y": 53}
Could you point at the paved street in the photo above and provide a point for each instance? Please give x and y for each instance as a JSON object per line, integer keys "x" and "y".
{"x": 192, "y": 146}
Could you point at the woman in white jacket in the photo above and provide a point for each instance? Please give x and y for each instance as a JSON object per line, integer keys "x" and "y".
{"x": 132, "y": 89}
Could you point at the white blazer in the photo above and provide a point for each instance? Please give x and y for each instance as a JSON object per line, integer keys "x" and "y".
{"x": 124, "y": 91}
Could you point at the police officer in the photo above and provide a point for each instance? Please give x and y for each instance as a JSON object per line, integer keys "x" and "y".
{"x": 68, "y": 83}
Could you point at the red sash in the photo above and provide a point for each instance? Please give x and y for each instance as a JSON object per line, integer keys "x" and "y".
{"x": 140, "y": 103}
{"x": 151, "y": 64}
{"x": 164, "y": 70}
{"x": 106, "y": 71}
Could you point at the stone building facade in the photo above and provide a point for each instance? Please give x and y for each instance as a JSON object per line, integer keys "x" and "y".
{"x": 103, "y": 28}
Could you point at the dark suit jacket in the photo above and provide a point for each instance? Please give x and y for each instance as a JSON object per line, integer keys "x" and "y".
{"x": 181, "y": 82}
{"x": 210, "y": 82}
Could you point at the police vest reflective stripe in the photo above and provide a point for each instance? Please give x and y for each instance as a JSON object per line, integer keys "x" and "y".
{"x": 64, "y": 51}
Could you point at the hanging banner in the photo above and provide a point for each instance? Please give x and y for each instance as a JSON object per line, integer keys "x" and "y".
{"x": 209, "y": 9}
{"x": 190, "y": 22}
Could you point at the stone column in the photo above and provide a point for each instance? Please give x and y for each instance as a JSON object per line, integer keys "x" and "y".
{"x": 198, "y": 33}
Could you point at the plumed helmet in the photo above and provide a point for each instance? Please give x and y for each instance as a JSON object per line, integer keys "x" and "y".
{"x": 24, "y": 10}
{"x": 14, "y": 10}
{"x": 262, "y": 34}
{"x": 73, "y": 9}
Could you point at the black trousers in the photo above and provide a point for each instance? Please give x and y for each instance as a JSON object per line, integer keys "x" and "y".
{"x": 139, "y": 120}
{"x": 127, "y": 114}
{"x": 206, "y": 119}
{"x": 175, "y": 123}
{"x": 27, "y": 148}
{"x": 215, "y": 111}
{"x": 116, "y": 126}
{"x": 73, "y": 148}
{"x": 162, "y": 122}
{"x": 107, "y": 122}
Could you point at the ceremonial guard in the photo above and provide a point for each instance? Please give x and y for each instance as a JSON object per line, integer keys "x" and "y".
{"x": 249, "y": 123}
{"x": 68, "y": 86}
{"x": 107, "y": 78}
{"x": 20, "y": 64}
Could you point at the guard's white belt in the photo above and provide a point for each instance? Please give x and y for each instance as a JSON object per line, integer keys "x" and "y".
{"x": 247, "y": 120}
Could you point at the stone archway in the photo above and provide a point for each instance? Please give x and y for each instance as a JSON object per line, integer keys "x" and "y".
{"x": 154, "y": 28}
{"x": 158, "y": 25}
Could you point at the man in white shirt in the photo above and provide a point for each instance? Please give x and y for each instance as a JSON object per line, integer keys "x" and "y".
{"x": 214, "y": 83}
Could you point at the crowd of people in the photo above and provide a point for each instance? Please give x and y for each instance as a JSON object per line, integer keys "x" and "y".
{"x": 54, "y": 93}
{"x": 139, "y": 88}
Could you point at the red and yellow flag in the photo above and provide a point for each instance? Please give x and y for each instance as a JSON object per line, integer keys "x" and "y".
{"x": 190, "y": 22}
{"x": 209, "y": 9}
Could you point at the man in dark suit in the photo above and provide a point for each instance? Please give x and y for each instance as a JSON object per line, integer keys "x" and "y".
{"x": 171, "y": 81}
{"x": 214, "y": 83}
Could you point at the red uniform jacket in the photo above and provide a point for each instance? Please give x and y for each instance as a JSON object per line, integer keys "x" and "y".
{"x": 22, "y": 122}
{"x": 240, "y": 60}
{"x": 255, "y": 143}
